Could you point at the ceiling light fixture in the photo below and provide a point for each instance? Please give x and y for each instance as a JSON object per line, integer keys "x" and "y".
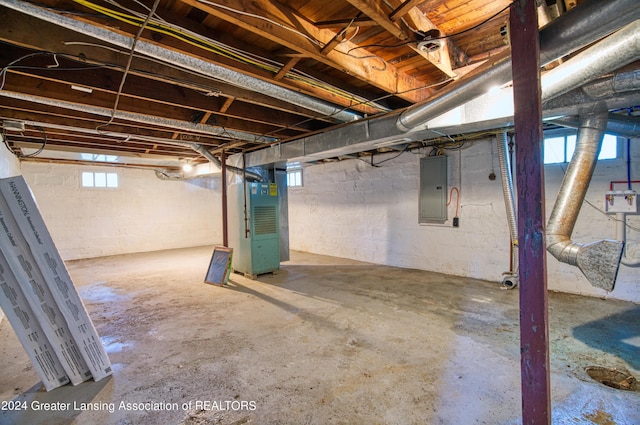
{"x": 429, "y": 45}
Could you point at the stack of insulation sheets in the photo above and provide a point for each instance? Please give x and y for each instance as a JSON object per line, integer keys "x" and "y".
{"x": 39, "y": 298}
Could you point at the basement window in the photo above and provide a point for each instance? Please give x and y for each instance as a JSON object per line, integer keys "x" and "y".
{"x": 559, "y": 148}
{"x": 98, "y": 157}
{"x": 294, "y": 177}
{"x": 99, "y": 179}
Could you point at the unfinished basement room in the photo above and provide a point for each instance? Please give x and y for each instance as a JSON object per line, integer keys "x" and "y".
{"x": 319, "y": 212}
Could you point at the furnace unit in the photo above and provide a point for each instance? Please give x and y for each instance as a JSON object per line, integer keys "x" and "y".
{"x": 254, "y": 228}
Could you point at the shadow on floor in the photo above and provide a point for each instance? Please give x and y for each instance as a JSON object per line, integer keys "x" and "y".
{"x": 617, "y": 334}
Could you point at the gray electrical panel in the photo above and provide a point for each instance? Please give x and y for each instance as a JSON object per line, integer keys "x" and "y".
{"x": 433, "y": 189}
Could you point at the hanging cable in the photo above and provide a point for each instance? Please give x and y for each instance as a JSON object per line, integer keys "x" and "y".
{"x": 444, "y": 37}
{"x": 44, "y": 144}
{"x": 252, "y": 15}
{"x": 4, "y": 70}
{"x": 227, "y": 51}
{"x": 126, "y": 70}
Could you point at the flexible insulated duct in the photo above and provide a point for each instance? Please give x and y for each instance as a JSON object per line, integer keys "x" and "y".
{"x": 610, "y": 54}
{"x": 177, "y": 125}
{"x": 511, "y": 279}
{"x": 160, "y": 173}
{"x": 581, "y": 26}
{"x": 620, "y": 125}
{"x": 185, "y": 61}
{"x": 599, "y": 261}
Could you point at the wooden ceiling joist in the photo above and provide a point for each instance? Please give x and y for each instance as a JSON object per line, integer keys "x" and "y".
{"x": 299, "y": 34}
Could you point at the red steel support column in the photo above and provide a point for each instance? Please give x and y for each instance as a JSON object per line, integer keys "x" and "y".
{"x": 225, "y": 231}
{"x": 534, "y": 332}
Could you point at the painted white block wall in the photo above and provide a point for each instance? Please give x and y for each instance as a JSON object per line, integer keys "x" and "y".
{"x": 9, "y": 167}
{"x": 351, "y": 209}
{"x": 143, "y": 214}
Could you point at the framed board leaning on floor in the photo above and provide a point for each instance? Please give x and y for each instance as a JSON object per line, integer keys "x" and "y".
{"x": 220, "y": 266}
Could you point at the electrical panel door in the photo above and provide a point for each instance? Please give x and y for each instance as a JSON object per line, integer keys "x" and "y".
{"x": 433, "y": 189}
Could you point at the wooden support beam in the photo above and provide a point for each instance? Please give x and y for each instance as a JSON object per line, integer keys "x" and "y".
{"x": 33, "y": 33}
{"x": 440, "y": 58}
{"x": 375, "y": 11}
{"x": 309, "y": 39}
{"x": 534, "y": 331}
{"x": 286, "y": 68}
{"x": 403, "y": 9}
{"x": 227, "y": 104}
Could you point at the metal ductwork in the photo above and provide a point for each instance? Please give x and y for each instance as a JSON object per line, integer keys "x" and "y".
{"x": 620, "y": 125}
{"x": 177, "y": 125}
{"x": 161, "y": 174}
{"x": 186, "y": 62}
{"x": 510, "y": 279}
{"x": 581, "y": 26}
{"x": 613, "y": 52}
{"x": 205, "y": 153}
{"x": 371, "y": 133}
{"x": 599, "y": 261}
{"x": 592, "y": 95}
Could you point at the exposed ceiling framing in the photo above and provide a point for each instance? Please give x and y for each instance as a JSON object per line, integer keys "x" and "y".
{"x": 229, "y": 75}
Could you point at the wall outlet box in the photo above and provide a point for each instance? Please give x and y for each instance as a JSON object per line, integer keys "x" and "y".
{"x": 621, "y": 201}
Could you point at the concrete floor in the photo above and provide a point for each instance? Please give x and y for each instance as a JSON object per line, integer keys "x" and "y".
{"x": 323, "y": 341}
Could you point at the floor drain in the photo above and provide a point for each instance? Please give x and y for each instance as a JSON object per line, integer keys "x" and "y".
{"x": 614, "y": 378}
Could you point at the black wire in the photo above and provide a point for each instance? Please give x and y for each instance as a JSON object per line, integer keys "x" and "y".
{"x": 10, "y": 65}
{"x": 44, "y": 144}
{"x": 36, "y": 68}
{"x": 4, "y": 70}
{"x": 444, "y": 37}
{"x": 406, "y": 149}
{"x": 78, "y": 58}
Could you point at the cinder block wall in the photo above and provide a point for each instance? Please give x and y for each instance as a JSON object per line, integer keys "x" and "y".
{"x": 143, "y": 214}
{"x": 351, "y": 209}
